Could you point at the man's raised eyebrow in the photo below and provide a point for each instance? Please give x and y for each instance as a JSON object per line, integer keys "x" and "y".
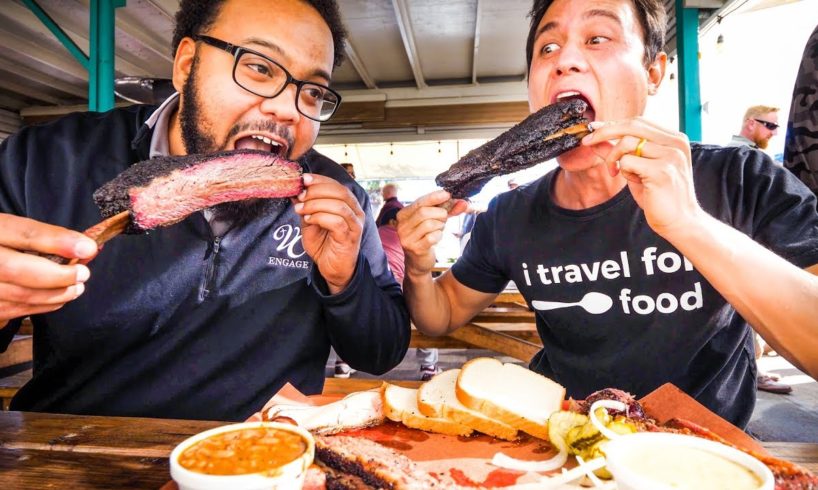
{"x": 274, "y": 47}
{"x": 602, "y": 13}
{"x": 545, "y": 27}
{"x": 589, "y": 14}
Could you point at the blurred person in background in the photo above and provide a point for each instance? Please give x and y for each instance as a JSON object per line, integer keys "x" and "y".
{"x": 350, "y": 168}
{"x": 758, "y": 127}
{"x": 760, "y": 124}
{"x": 388, "y": 232}
{"x": 390, "y": 201}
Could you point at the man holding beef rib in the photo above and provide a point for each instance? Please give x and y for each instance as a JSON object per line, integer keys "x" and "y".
{"x": 661, "y": 252}
{"x": 208, "y": 318}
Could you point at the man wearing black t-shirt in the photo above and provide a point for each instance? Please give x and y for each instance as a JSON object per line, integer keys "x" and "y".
{"x": 663, "y": 251}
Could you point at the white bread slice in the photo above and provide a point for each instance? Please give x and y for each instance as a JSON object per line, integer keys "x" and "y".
{"x": 401, "y": 405}
{"x": 436, "y": 398}
{"x": 510, "y": 393}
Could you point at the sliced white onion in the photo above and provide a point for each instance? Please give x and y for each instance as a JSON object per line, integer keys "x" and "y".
{"x": 612, "y": 404}
{"x": 558, "y": 481}
{"x": 507, "y": 462}
{"x": 590, "y": 474}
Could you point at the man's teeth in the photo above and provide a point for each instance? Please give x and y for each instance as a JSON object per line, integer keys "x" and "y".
{"x": 265, "y": 139}
{"x": 567, "y": 94}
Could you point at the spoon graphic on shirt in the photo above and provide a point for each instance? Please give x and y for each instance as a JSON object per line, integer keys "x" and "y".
{"x": 594, "y": 303}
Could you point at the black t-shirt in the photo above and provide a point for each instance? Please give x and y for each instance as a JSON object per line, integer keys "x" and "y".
{"x": 648, "y": 316}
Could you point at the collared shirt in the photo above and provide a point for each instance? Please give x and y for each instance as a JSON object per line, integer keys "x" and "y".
{"x": 160, "y": 123}
{"x": 739, "y": 140}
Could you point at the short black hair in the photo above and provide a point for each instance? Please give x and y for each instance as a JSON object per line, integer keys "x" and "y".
{"x": 651, "y": 14}
{"x": 194, "y": 17}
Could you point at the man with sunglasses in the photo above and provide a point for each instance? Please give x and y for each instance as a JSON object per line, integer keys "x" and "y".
{"x": 759, "y": 125}
{"x": 208, "y": 318}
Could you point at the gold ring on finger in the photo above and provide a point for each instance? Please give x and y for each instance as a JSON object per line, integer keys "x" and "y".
{"x": 639, "y": 147}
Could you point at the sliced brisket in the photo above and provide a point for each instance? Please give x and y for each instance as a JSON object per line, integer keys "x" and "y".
{"x": 164, "y": 190}
{"x": 372, "y": 463}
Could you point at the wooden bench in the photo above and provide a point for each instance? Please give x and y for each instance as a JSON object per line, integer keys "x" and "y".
{"x": 27, "y": 328}
{"x": 340, "y": 386}
{"x": 509, "y": 339}
{"x": 10, "y": 385}
{"x": 18, "y": 352}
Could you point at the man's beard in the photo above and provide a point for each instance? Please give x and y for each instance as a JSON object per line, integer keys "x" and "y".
{"x": 239, "y": 213}
{"x": 197, "y": 139}
{"x": 762, "y": 143}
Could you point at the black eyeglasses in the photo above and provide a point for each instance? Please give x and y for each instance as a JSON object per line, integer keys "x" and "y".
{"x": 265, "y": 77}
{"x": 767, "y": 124}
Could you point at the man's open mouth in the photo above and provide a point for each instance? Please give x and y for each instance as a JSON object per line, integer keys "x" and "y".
{"x": 262, "y": 143}
{"x": 589, "y": 114}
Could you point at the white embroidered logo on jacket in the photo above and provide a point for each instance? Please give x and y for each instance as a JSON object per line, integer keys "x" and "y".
{"x": 288, "y": 238}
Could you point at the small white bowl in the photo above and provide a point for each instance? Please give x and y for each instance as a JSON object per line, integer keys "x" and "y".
{"x": 621, "y": 452}
{"x": 287, "y": 477}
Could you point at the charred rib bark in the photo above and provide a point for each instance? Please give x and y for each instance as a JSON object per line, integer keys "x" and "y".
{"x": 545, "y": 134}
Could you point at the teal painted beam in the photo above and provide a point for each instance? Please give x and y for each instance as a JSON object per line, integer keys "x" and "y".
{"x": 60, "y": 34}
{"x": 690, "y": 100}
{"x": 103, "y": 44}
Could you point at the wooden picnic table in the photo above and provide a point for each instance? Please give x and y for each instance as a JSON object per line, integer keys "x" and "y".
{"x": 507, "y": 327}
{"x": 73, "y": 451}
{"x": 508, "y": 330}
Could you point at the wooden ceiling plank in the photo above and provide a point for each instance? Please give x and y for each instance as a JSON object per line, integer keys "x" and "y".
{"x": 12, "y": 103}
{"x": 355, "y": 112}
{"x": 23, "y": 16}
{"x": 447, "y": 115}
{"x": 28, "y": 91}
{"x": 127, "y": 24}
{"x": 165, "y": 7}
{"x": 30, "y": 50}
{"x": 42, "y": 78}
{"x": 359, "y": 66}
{"x": 9, "y": 117}
{"x": 408, "y": 37}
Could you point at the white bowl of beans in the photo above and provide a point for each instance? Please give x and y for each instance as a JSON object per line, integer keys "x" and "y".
{"x": 248, "y": 456}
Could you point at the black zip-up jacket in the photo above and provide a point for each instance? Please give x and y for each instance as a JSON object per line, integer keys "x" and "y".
{"x": 179, "y": 323}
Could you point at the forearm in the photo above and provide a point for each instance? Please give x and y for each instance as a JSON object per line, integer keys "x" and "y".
{"x": 368, "y": 324}
{"x": 777, "y": 298}
{"x": 428, "y": 304}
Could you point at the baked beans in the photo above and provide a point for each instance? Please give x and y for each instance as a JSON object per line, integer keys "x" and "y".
{"x": 243, "y": 451}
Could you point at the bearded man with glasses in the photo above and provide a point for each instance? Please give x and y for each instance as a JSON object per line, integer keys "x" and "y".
{"x": 758, "y": 127}
{"x": 208, "y": 318}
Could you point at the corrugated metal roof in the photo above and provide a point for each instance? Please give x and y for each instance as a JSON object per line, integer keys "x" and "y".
{"x": 400, "y": 52}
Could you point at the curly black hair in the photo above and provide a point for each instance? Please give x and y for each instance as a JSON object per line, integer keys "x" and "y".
{"x": 197, "y": 16}
{"x": 651, "y": 14}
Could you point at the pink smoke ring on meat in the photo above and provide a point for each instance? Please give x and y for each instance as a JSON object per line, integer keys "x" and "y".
{"x": 165, "y": 190}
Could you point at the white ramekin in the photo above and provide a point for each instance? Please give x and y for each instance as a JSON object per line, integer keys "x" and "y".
{"x": 627, "y": 478}
{"x": 287, "y": 477}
